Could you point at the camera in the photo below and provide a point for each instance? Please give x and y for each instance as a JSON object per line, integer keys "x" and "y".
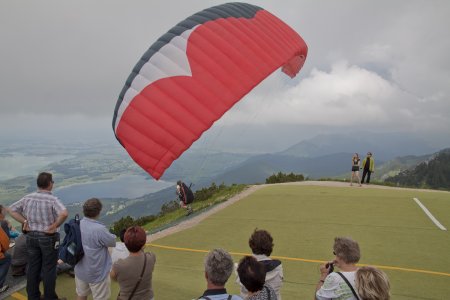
{"x": 330, "y": 265}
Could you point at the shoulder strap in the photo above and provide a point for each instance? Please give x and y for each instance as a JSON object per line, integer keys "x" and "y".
{"x": 140, "y": 278}
{"x": 349, "y": 285}
{"x": 207, "y": 298}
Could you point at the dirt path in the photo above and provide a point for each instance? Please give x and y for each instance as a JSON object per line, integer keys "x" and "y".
{"x": 197, "y": 219}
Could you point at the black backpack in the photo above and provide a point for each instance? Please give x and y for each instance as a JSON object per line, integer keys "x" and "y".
{"x": 71, "y": 250}
{"x": 186, "y": 193}
{"x": 270, "y": 265}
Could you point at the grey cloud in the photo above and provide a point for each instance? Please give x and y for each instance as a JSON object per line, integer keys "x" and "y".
{"x": 61, "y": 58}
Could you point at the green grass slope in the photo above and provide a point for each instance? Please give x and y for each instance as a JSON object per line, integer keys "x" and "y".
{"x": 393, "y": 233}
{"x": 391, "y": 229}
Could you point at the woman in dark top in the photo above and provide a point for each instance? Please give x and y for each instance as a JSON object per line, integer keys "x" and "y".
{"x": 355, "y": 169}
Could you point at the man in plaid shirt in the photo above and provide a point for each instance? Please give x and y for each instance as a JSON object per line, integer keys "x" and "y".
{"x": 41, "y": 214}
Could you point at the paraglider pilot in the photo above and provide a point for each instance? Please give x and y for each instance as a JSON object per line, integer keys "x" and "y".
{"x": 183, "y": 197}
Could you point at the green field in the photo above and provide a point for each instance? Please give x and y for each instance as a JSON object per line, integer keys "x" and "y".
{"x": 393, "y": 233}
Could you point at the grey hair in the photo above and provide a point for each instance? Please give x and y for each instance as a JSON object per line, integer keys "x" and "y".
{"x": 347, "y": 249}
{"x": 218, "y": 266}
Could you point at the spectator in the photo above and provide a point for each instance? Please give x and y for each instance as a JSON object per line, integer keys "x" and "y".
{"x": 120, "y": 251}
{"x": 19, "y": 257}
{"x": 7, "y": 227}
{"x": 3, "y": 222}
{"x": 91, "y": 272}
{"x": 368, "y": 165}
{"x": 339, "y": 285}
{"x": 355, "y": 169}
{"x": 218, "y": 268}
{"x": 13, "y": 233}
{"x": 5, "y": 260}
{"x": 41, "y": 214}
{"x": 261, "y": 243}
{"x": 253, "y": 276}
{"x": 372, "y": 284}
{"x": 134, "y": 273}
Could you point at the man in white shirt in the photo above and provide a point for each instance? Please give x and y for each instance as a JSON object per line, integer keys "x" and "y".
{"x": 120, "y": 251}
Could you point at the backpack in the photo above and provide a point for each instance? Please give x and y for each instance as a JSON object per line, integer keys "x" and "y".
{"x": 270, "y": 265}
{"x": 187, "y": 194}
{"x": 71, "y": 250}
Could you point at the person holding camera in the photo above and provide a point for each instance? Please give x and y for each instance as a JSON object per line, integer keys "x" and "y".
{"x": 339, "y": 285}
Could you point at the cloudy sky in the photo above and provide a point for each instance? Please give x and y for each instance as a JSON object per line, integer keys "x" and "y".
{"x": 382, "y": 66}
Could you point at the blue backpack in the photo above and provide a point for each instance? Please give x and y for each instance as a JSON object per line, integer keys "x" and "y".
{"x": 71, "y": 249}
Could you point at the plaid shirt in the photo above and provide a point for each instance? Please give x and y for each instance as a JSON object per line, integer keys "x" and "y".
{"x": 41, "y": 209}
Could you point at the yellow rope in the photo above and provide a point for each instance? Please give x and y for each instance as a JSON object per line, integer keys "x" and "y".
{"x": 303, "y": 260}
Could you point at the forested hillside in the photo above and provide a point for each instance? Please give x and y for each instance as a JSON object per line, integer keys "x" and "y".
{"x": 433, "y": 173}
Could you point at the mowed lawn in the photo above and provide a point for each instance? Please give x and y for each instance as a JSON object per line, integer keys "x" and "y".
{"x": 393, "y": 232}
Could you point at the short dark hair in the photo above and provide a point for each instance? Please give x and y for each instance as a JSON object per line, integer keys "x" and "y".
{"x": 92, "y": 208}
{"x": 122, "y": 234}
{"x": 251, "y": 273}
{"x": 261, "y": 242}
{"x": 135, "y": 238}
{"x": 44, "y": 179}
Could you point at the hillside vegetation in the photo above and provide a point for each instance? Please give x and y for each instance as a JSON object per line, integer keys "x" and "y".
{"x": 172, "y": 213}
{"x": 433, "y": 173}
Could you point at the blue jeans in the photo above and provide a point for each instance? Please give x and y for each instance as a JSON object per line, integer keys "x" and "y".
{"x": 4, "y": 267}
{"x": 42, "y": 252}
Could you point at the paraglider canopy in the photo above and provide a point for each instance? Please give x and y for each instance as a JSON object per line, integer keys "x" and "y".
{"x": 196, "y": 72}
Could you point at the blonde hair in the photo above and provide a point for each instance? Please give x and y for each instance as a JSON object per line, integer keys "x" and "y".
{"x": 372, "y": 284}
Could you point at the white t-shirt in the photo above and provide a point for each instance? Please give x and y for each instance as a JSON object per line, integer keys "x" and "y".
{"x": 119, "y": 252}
{"x": 335, "y": 287}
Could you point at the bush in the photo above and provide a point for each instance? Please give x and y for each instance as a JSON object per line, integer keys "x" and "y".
{"x": 128, "y": 221}
{"x": 206, "y": 193}
{"x": 169, "y": 207}
{"x": 281, "y": 177}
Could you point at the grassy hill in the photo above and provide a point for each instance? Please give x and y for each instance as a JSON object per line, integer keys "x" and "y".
{"x": 393, "y": 232}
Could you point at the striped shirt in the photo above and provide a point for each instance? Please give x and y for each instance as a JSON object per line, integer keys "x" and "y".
{"x": 41, "y": 209}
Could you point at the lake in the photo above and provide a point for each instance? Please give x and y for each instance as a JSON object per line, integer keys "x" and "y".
{"x": 19, "y": 164}
{"x": 124, "y": 186}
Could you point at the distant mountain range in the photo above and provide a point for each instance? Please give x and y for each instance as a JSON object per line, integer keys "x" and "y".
{"x": 327, "y": 156}
{"x": 324, "y": 156}
{"x": 384, "y": 146}
{"x": 256, "y": 169}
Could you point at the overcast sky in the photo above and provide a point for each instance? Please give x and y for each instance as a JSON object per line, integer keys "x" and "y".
{"x": 381, "y": 66}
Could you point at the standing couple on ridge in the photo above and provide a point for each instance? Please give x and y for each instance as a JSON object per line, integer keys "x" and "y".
{"x": 368, "y": 166}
